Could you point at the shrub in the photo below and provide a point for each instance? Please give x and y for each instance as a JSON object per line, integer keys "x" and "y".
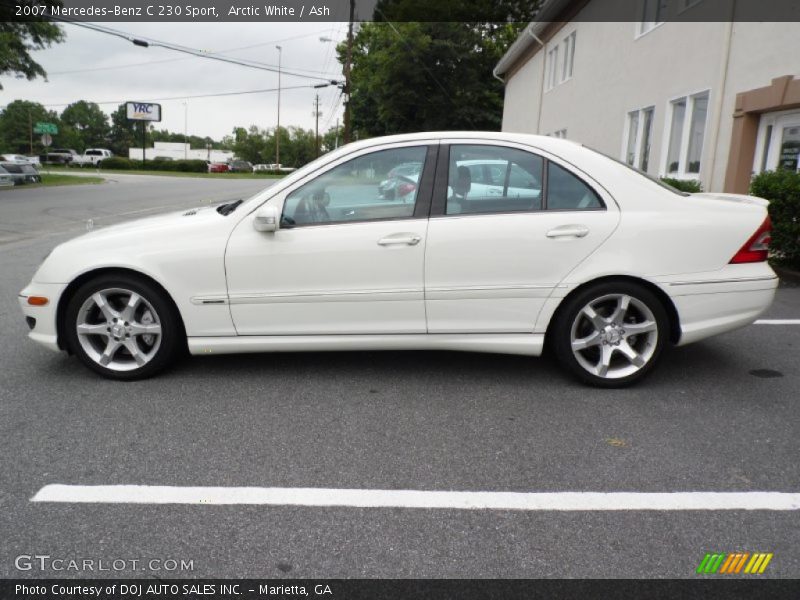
{"x": 118, "y": 162}
{"x": 685, "y": 185}
{"x": 186, "y": 166}
{"x": 782, "y": 189}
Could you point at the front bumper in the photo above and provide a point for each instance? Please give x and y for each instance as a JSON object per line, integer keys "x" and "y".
{"x": 44, "y": 329}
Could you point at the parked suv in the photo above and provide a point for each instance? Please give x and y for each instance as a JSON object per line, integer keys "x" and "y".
{"x": 58, "y": 156}
{"x": 93, "y": 157}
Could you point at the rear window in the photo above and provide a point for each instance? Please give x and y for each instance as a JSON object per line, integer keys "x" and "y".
{"x": 652, "y": 178}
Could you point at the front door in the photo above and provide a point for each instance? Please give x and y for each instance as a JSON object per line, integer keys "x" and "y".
{"x": 348, "y": 257}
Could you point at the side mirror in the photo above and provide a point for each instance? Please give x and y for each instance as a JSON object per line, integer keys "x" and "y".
{"x": 267, "y": 219}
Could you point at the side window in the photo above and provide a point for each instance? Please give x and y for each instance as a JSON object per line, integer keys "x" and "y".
{"x": 493, "y": 179}
{"x": 567, "y": 192}
{"x": 379, "y": 185}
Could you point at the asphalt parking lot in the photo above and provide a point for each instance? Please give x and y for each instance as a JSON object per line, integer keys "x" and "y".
{"x": 718, "y": 416}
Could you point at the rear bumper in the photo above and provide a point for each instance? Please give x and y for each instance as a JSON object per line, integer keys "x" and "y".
{"x": 734, "y": 298}
{"x": 44, "y": 330}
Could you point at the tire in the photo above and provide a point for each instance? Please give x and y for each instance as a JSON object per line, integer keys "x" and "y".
{"x": 123, "y": 327}
{"x": 611, "y": 334}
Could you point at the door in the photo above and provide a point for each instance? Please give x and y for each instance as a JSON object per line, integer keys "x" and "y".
{"x": 348, "y": 257}
{"x": 778, "y": 143}
{"x": 498, "y": 248}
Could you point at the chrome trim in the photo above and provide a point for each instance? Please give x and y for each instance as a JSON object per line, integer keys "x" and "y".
{"x": 737, "y": 280}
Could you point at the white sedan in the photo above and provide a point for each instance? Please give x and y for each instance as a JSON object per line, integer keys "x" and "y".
{"x": 599, "y": 263}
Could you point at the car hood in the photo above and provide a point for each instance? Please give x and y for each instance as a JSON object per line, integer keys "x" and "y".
{"x": 152, "y": 225}
{"x": 146, "y": 241}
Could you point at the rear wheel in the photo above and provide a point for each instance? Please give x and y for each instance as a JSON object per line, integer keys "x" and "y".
{"x": 122, "y": 327}
{"x": 611, "y": 334}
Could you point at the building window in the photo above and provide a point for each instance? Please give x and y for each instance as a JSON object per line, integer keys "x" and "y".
{"x": 640, "y": 132}
{"x": 652, "y": 15}
{"x": 687, "y": 130}
{"x": 552, "y": 68}
{"x": 560, "y": 62}
{"x": 569, "y": 56}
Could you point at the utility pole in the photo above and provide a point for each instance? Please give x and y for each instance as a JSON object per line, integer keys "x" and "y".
{"x": 316, "y": 126}
{"x": 185, "y": 130}
{"x": 347, "y": 67}
{"x": 336, "y": 144}
{"x": 278, "y": 128}
{"x": 30, "y": 128}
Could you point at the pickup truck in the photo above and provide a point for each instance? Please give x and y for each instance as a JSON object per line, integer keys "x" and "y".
{"x": 91, "y": 158}
{"x": 58, "y": 156}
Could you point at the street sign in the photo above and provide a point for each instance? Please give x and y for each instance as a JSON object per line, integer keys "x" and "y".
{"x": 47, "y": 139}
{"x": 143, "y": 111}
{"x": 43, "y": 127}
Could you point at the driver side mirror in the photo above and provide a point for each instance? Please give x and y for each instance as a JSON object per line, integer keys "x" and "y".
{"x": 267, "y": 219}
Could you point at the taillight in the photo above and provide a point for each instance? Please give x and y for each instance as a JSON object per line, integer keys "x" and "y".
{"x": 405, "y": 188}
{"x": 756, "y": 248}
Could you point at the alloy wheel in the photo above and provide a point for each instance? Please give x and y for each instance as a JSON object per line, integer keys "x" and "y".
{"x": 614, "y": 336}
{"x": 119, "y": 329}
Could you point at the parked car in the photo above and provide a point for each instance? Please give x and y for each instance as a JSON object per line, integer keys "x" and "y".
{"x": 6, "y": 180}
{"x": 93, "y": 157}
{"x": 19, "y": 158}
{"x": 58, "y": 156}
{"x": 22, "y": 172}
{"x": 261, "y": 167}
{"x": 217, "y": 167}
{"x": 400, "y": 181}
{"x": 240, "y": 166}
{"x": 604, "y": 265}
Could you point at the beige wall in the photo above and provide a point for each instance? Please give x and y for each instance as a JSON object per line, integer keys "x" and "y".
{"x": 760, "y": 52}
{"x": 616, "y": 71}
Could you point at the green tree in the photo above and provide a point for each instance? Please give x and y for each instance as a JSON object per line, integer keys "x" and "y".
{"x": 18, "y": 38}
{"x": 331, "y": 139}
{"x": 16, "y": 122}
{"x": 85, "y": 125}
{"x": 418, "y": 76}
{"x": 251, "y": 145}
{"x": 124, "y": 134}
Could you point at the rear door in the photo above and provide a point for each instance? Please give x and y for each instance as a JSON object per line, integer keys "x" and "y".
{"x": 495, "y": 253}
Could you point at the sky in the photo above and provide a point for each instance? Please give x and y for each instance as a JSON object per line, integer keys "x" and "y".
{"x": 98, "y": 67}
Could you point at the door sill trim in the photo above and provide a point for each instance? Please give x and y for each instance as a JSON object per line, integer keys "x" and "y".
{"x": 528, "y": 344}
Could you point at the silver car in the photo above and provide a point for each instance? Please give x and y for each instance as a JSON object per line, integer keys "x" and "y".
{"x": 5, "y": 178}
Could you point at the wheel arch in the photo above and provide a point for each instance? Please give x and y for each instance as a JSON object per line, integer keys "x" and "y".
{"x": 666, "y": 301}
{"x": 76, "y": 283}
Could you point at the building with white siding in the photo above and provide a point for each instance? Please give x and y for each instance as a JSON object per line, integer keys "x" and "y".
{"x": 709, "y": 101}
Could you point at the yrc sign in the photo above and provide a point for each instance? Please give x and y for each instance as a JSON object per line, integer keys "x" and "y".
{"x": 143, "y": 111}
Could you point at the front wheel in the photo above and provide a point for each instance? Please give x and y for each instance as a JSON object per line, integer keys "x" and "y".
{"x": 122, "y": 327}
{"x": 611, "y": 334}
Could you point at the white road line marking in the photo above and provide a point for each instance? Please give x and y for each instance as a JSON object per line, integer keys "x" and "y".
{"x": 365, "y": 498}
{"x": 777, "y": 322}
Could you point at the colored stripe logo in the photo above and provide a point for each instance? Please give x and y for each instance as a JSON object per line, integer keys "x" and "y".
{"x": 734, "y": 563}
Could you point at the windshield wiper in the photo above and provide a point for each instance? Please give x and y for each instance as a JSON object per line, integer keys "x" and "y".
{"x": 226, "y": 209}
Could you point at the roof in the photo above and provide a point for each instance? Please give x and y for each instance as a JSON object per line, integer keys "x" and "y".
{"x": 530, "y": 35}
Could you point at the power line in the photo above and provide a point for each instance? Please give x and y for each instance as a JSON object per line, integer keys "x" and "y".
{"x": 170, "y": 60}
{"x": 184, "y": 97}
{"x": 147, "y": 42}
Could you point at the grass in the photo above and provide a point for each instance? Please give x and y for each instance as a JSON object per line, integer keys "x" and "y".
{"x": 53, "y": 179}
{"x": 163, "y": 173}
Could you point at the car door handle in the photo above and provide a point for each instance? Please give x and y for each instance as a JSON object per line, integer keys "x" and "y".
{"x": 408, "y": 240}
{"x": 569, "y": 231}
